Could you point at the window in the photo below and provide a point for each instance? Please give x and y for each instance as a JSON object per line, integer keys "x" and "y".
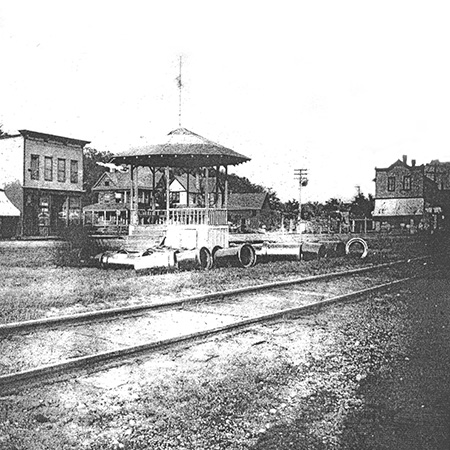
{"x": 407, "y": 182}
{"x": 175, "y": 197}
{"x": 61, "y": 170}
{"x": 48, "y": 168}
{"x": 73, "y": 171}
{"x": 391, "y": 184}
{"x": 34, "y": 167}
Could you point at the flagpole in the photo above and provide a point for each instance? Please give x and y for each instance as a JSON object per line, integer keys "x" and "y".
{"x": 179, "y": 87}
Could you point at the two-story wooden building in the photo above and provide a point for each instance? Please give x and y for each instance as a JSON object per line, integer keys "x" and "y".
{"x": 111, "y": 213}
{"x": 42, "y": 175}
{"x": 406, "y": 198}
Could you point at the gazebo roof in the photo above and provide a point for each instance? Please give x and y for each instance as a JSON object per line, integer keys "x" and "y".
{"x": 183, "y": 148}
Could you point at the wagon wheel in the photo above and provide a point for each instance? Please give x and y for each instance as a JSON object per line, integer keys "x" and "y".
{"x": 357, "y": 247}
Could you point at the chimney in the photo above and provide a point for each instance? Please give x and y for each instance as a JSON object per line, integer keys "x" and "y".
{"x": 413, "y": 162}
{"x": 405, "y": 158}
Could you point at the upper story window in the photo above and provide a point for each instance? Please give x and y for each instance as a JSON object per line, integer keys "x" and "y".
{"x": 175, "y": 197}
{"x": 407, "y": 182}
{"x": 391, "y": 184}
{"x": 61, "y": 170}
{"x": 48, "y": 168}
{"x": 73, "y": 171}
{"x": 34, "y": 167}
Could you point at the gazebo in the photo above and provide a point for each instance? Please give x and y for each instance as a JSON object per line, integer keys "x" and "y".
{"x": 205, "y": 165}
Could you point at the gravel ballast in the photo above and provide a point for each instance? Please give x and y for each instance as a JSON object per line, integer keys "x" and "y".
{"x": 372, "y": 374}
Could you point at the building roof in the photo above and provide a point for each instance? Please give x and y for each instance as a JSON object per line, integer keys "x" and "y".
{"x": 400, "y": 163}
{"x": 46, "y": 136}
{"x": 122, "y": 180}
{"x": 7, "y": 209}
{"x": 246, "y": 201}
{"x": 182, "y": 148}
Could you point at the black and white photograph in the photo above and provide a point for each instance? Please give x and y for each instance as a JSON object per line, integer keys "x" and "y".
{"x": 224, "y": 225}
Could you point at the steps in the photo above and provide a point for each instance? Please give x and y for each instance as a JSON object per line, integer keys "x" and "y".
{"x": 143, "y": 237}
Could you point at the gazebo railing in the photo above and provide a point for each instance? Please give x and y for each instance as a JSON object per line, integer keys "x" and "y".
{"x": 183, "y": 216}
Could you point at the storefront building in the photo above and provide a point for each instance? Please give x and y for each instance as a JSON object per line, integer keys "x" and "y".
{"x": 42, "y": 175}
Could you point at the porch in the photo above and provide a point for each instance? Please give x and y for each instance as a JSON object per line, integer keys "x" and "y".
{"x": 183, "y": 216}
{"x": 107, "y": 220}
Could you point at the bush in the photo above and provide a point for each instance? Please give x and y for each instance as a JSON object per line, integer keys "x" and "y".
{"x": 80, "y": 247}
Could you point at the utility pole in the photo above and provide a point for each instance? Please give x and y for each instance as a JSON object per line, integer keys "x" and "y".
{"x": 302, "y": 176}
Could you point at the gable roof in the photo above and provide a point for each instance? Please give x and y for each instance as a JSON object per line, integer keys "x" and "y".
{"x": 182, "y": 180}
{"x": 239, "y": 202}
{"x": 122, "y": 180}
{"x": 400, "y": 163}
{"x": 182, "y": 148}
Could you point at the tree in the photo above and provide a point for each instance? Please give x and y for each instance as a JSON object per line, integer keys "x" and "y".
{"x": 92, "y": 171}
{"x": 243, "y": 185}
{"x": 333, "y": 208}
{"x": 3, "y": 134}
{"x": 290, "y": 210}
{"x": 311, "y": 210}
{"x": 361, "y": 206}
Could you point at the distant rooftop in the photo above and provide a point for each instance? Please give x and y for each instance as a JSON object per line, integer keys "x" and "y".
{"x": 246, "y": 201}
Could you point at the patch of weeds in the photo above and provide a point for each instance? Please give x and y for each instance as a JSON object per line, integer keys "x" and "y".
{"x": 79, "y": 248}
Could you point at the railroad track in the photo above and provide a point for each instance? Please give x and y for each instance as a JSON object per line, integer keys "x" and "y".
{"x": 58, "y": 347}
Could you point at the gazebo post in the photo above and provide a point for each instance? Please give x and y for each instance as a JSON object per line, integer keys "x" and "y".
{"x": 153, "y": 170}
{"x": 187, "y": 188}
{"x": 216, "y": 200}
{"x": 226, "y": 188}
{"x": 132, "y": 194}
{"x": 136, "y": 195}
{"x": 167, "y": 176}
{"x": 207, "y": 196}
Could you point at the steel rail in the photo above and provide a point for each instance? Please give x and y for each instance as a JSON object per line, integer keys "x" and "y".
{"x": 12, "y": 381}
{"x": 109, "y": 313}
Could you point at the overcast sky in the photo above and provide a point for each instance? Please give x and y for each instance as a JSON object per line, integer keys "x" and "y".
{"x": 337, "y": 87}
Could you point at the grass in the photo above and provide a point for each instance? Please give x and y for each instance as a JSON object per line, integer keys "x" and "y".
{"x": 35, "y": 282}
{"x": 298, "y": 389}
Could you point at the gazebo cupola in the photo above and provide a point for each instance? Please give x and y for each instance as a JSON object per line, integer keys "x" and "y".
{"x": 203, "y": 165}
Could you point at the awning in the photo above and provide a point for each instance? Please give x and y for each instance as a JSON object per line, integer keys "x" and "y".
{"x": 399, "y": 207}
{"x": 7, "y": 209}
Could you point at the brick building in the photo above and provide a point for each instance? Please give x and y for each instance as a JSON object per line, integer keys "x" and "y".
{"x": 42, "y": 175}
{"x": 439, "y": 172}
{"x": 405, "y": 197}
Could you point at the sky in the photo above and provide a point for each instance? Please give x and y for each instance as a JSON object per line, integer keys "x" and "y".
{"x": 334, "y": 87}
